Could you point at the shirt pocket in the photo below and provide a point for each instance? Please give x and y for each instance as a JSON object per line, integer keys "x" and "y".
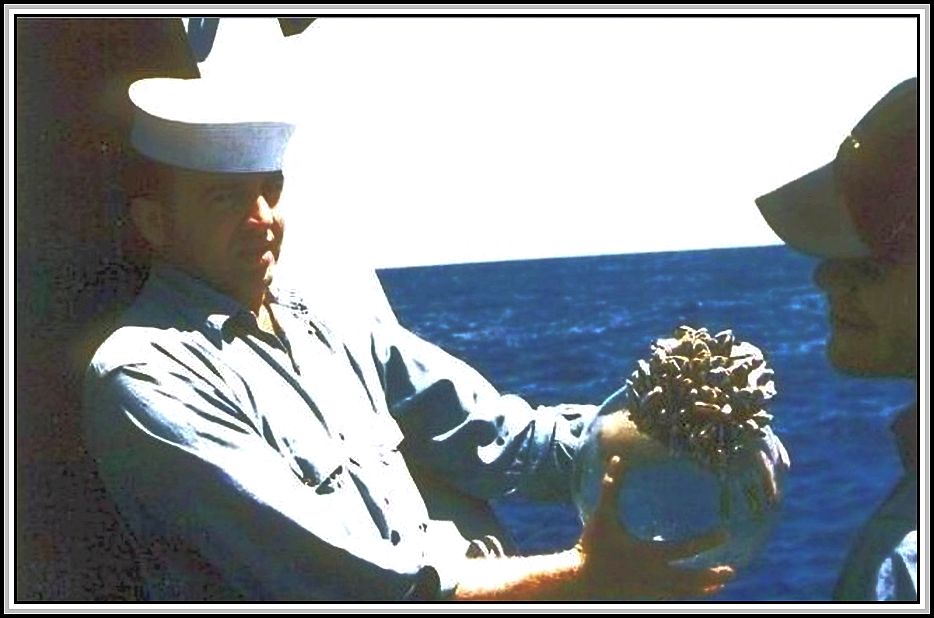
{"x": 320, "y": 467}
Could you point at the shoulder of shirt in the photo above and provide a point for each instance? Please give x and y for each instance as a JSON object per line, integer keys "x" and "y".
{"x": 356, "y": 300}
{"x": 148, "y": 331}
{"x": 133, "y": 345}
{"x": 342, "y": 319}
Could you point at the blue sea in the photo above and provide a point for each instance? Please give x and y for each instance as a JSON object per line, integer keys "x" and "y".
{"x": 569, "y": 330}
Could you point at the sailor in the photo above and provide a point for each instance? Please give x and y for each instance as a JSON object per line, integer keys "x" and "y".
{"x": 258, "y": 450}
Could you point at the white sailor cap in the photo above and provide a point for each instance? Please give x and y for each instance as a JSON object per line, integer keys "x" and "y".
{"x": 208, "y": 125}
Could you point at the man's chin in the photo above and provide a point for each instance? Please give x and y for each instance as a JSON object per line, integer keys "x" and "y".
{"x": 863, "y": 361}
{"x": 261, "y": 267}
{"x": 252, "y": 279}
{"x": 269, "y": 274}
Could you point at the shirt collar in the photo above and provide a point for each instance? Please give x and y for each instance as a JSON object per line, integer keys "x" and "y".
{"x": 195, "y": 299}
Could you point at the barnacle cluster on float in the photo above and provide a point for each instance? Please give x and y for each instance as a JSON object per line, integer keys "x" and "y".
{"x": 702, "y": 395}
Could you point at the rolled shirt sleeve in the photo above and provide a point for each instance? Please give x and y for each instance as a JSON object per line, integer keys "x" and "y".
{"x": 457, "y": 424}
{"x": 186, "y": 465}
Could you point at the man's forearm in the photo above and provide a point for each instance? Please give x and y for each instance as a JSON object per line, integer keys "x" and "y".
{"x": 553, "y": 576}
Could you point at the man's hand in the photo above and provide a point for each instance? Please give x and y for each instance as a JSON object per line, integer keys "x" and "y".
{"x": 771, "y": 461}
{"x": 618, "y": 434}
{"x": 615, "y": 564}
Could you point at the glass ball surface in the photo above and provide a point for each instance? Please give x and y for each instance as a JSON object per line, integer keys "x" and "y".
{"x": 672, "y": 497}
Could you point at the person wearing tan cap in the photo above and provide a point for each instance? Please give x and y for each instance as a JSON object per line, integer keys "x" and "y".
{"x": 859, "y": 213}
{"x": 257, "y": 450}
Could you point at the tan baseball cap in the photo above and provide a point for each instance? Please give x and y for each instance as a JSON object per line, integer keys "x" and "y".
{"x": 865, "y": 201}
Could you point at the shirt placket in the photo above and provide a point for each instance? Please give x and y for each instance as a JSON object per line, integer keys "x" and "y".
{"x": 327, "y": 372}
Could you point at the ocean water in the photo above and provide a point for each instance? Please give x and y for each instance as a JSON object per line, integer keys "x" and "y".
{"x": 569, "y": 331}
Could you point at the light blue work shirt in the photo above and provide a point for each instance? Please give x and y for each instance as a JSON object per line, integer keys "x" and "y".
{"x": 883, "y": 563}
{"x": 253, "y": 466}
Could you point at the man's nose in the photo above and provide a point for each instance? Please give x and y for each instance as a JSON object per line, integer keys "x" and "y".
{"x": 261, "y": 211}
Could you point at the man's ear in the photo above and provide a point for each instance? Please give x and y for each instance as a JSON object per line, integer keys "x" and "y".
{"x": 150, "y": 218}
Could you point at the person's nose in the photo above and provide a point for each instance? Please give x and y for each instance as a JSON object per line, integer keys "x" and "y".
{"x": 261, "y": 212}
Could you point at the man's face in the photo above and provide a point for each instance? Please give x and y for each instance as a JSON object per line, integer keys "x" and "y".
{"x": 226, "y": 229}
{"x": 873, "y": 315}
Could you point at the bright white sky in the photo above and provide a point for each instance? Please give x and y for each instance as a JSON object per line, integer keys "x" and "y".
{"x": 433, "y": 141}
